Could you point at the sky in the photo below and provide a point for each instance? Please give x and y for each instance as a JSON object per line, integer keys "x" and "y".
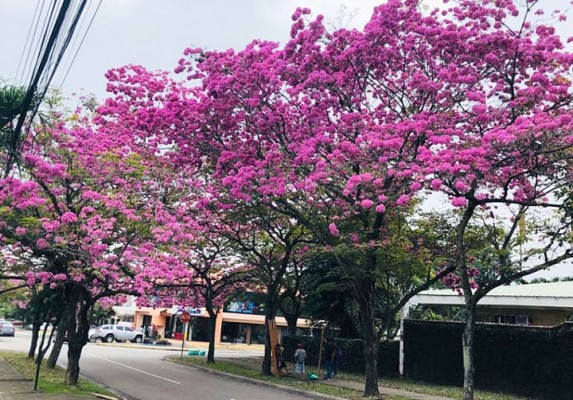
{"x": 154, "y": 33}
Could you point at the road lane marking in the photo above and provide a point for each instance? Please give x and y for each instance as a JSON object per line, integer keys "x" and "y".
{"x": 135, "y": 369}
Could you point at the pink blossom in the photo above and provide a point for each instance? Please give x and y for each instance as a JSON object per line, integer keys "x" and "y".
{"x": 436, "y": 184}
{"x": 51, "y": 226}
{"x": 403, "y": 200}
{"x": 59, "y": 277}
{"x": 366, "y": 203}
{"x": 414, "y": 187}
{"x": 333, "y": 229}
{"x": 69, "y": 217}
{"x": 459, "y": 202}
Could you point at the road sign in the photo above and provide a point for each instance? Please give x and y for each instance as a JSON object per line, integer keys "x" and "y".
{"x": 185, "y": 317}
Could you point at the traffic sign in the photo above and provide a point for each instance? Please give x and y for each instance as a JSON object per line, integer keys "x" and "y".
{"x": 185, "y": 317}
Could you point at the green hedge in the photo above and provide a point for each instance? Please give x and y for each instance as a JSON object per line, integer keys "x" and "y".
{"x": 531, "y": 361}
{"x": 352, "y": 359}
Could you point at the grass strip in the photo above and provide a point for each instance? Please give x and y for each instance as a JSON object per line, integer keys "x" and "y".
{"x": 242, "y": 368}
{"x": 51, "y": 380}
{"x": 453, "y": 392}
{"x": 247, "y": 372}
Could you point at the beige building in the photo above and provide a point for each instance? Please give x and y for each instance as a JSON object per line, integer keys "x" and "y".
{"x": 546, "y": 304}
{"x": 232, "y": 327}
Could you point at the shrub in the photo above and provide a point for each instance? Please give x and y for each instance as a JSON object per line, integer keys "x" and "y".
{"x": 352, "y": 359}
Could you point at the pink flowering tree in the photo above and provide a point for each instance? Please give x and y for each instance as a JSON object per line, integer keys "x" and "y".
{"x": 262, "y": 239}
{"x": 298, "y": 132}
{"x": 270, "y": 243}
{"x": 341, "y": 131}
{"x": 195, "y": 265}
{"x": 78, "y": 206}
{"x": 326, "y": 131}
{"x": 505, "y": 161}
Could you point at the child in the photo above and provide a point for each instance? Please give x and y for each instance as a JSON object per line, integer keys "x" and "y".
{"x": 282, "y": 365}
{"x": 299, "y": 357}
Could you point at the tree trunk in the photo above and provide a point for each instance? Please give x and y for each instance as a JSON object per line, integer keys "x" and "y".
{"x": 55, "y": 353}
{"x": 269, "y": 316}
{"x": 79, "y": 301}
{"x": 59, "y": 342}
{"x": 468, "y": 353}
{"x": 211, "y": 324}
{"x": 370, "y": 344}
{"x": 35, "y": 336}
{"x": 267, "y": 360}
{"x": 290, "y": 307}
{"x": 73, "y": 369}
{"x": 291, "y": 324}
{"x": 42, "y": 350}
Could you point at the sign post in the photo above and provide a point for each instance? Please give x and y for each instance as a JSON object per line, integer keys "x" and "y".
{"x": 185, "y": 317}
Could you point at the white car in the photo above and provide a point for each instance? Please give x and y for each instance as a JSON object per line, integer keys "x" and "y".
{"x": 7, "y": 328}
{"x": 119, "y": 333}
{"x": 92, "y": 336}
{"x": 42, "y": 327}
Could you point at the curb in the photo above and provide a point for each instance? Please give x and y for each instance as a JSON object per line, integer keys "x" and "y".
{"x": 164, "y": 347}
{"x": 286, "y": 389}
{"x": 136, "y": 346}
{"x": 103, "y": 396}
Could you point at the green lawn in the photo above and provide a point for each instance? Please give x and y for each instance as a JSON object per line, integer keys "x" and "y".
{"x": 51, "y": 380}
{"x": 241, "y": 368}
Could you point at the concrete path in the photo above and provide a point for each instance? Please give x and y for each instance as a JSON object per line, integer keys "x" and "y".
{"x": 384, "y": 390}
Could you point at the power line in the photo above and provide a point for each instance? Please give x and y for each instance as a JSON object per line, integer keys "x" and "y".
{"x": 14, "y": 144}
{"x": 32, "y": 25}
{"x": 63, "y": 19}
{"x": 66, "y": 42}
{"x": 73, "y": 59}
{"x": 26, "y": 69}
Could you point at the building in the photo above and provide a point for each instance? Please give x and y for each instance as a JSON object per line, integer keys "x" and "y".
{"x": 546, "y": 304}
{"x": 241, "y": 320}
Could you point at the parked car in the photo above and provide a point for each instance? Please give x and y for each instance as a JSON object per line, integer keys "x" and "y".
{"x": 109, "y": 333}
{"x": 92, "y": 335}
{"x": 7, "y": 328}
{"x": 42, "y": 327}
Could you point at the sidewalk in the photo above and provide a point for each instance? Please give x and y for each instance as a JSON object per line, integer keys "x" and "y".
{"x": 13, "y": 386}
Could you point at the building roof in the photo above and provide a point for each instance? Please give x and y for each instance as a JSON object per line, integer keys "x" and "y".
{"x": 544, "y": 295}
{"x": 122, "y": 311}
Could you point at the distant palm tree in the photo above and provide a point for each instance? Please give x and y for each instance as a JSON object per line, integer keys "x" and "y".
{"x": 11, "y": 99}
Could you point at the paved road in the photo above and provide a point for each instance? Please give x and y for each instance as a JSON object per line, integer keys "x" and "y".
{"x": 139, "y": 374}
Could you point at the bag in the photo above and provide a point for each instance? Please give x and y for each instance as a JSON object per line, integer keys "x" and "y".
{"x": 312, "y": 376}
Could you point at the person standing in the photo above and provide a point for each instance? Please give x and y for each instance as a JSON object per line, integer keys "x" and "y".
{"x": 337, "y": 358}
{"x": 329, "y": 358}
{"x": 299, "y": 358}
{"x": 281, "y": 362}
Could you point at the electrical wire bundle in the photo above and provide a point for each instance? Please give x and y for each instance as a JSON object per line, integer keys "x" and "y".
{"x": 52, "y": 45}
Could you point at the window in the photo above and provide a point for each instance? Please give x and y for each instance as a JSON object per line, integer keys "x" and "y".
{"x": 512, "y": 319}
